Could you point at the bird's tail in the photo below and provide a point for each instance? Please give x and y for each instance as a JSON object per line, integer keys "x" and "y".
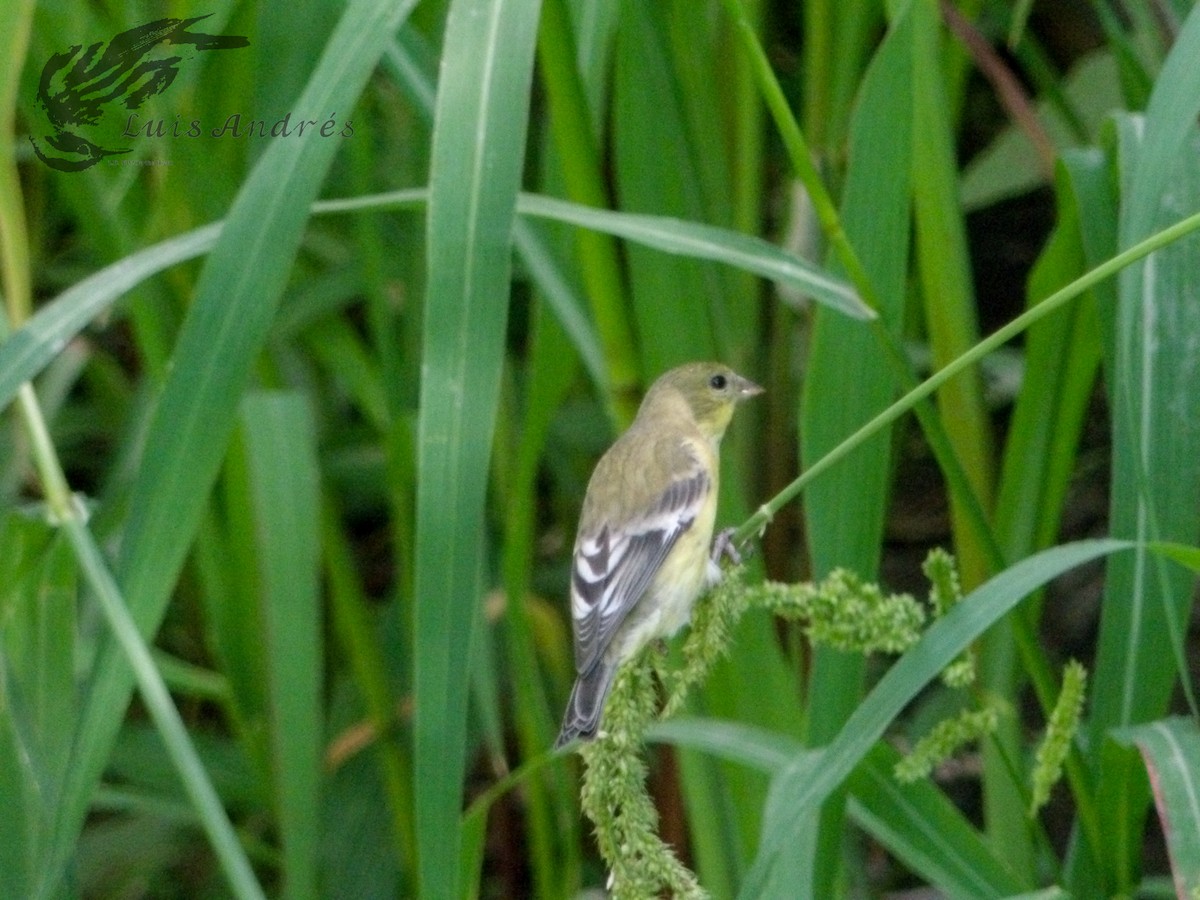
{"x": 586, "y": 705}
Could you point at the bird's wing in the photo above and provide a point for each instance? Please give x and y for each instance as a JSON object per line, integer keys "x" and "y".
{"x": 614, "y": 562}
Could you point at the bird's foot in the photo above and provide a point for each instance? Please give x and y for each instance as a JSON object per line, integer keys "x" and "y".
{"x": 723, "y": 547}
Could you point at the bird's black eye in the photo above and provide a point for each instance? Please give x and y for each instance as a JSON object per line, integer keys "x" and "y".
{"x": 717, "y": 382}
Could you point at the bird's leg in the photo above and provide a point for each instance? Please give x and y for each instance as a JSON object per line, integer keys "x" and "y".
{"x": 723, "y": 546}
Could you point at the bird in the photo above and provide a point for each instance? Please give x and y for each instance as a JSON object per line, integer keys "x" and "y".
{"x": 641, "y": 555}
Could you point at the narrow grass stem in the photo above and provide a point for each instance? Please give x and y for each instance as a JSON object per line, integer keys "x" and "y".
{"x": 998, "y": 338}
{"x": 54, "y": 483}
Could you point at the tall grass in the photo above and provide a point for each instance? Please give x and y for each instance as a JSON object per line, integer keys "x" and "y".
{"x": 301, "y": 425}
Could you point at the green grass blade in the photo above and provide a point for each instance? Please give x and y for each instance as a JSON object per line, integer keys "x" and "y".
{"x": 1062, "y": 357}
{"x": 669, "y": 164}
{"x": 165, "y": 716}
{"x": 802, "y": 787}
{"x": 16, "y": 20}
{"x": 1136, "y": 81}
{"x": 926, "y": 831}
{"x": 573, "y": 128}
{"x": 550, "y": 371}
{"x": 1061, "y": 360}
{"x": 1152, "y": 346}
{"x": 1152, "y": 360}
{"x": 354, "y": 628}
{"x": 1092, "y": 279}
{"x": 1180, "y": 553}
{"x": 973, "y": 514}
{"x": 30, "y": 348}
{"x": 1171, "y": 751}
{"x": 947, "y": 291}
{"x": 747, "y": 745}
{"x": 19, "y": 854}
{"x": 236, "y": 297}
{"x": 478, "y": 150}
{"x": 475, "y": 817}
{"x": 706, "y": 242}
{"x": 674, "y": 300}
{"x": 228, "y": 573}
{"x": 916, "y": 821}
{"x": 412, "y": 69}
{"x": 875, "y": 214}
{"x": 552, "y": 280}
{"x": 282, "y": 465}
{"x": 1152, "y": 351}
{"x": 37, "y": 691}
{"x": 1169, "y": 126}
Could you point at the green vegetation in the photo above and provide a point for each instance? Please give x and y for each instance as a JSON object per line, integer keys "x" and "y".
{"x": 306, "y": 374}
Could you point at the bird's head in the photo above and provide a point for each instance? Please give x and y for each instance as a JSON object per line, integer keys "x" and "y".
{"x": 711, "y": 391}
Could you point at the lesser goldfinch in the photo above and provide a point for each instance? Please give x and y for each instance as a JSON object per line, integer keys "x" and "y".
{"x": 642, "y": 551}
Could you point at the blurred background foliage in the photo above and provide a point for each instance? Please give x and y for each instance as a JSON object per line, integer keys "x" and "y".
{"x": 323, "y": 462}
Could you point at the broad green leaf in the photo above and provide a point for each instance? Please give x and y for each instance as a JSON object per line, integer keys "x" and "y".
{"x": 926, "y": 831}
{"x": 1180, "y": 553}
{"x": 479, "y": 137}
{"x": 707, "y": 242}
{"x": 30, "y": 348}
{"x": 876, "y": 216}
{"x": 1152, "y": 362}
{"x": 1171, "y": 751}
{"x": 37, "y": 691}
{"x": 675, "y": 301}
{"x": 282, "y": 466}
{"x": 1009, "y": 165}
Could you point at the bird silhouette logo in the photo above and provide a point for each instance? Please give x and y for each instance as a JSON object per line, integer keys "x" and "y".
{"x": 79, "y": 88}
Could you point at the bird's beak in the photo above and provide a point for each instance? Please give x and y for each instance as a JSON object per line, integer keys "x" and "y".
{"x": 747, "y": 388}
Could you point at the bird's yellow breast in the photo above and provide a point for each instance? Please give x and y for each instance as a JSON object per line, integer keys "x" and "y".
{"x": 666, "y": 605}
